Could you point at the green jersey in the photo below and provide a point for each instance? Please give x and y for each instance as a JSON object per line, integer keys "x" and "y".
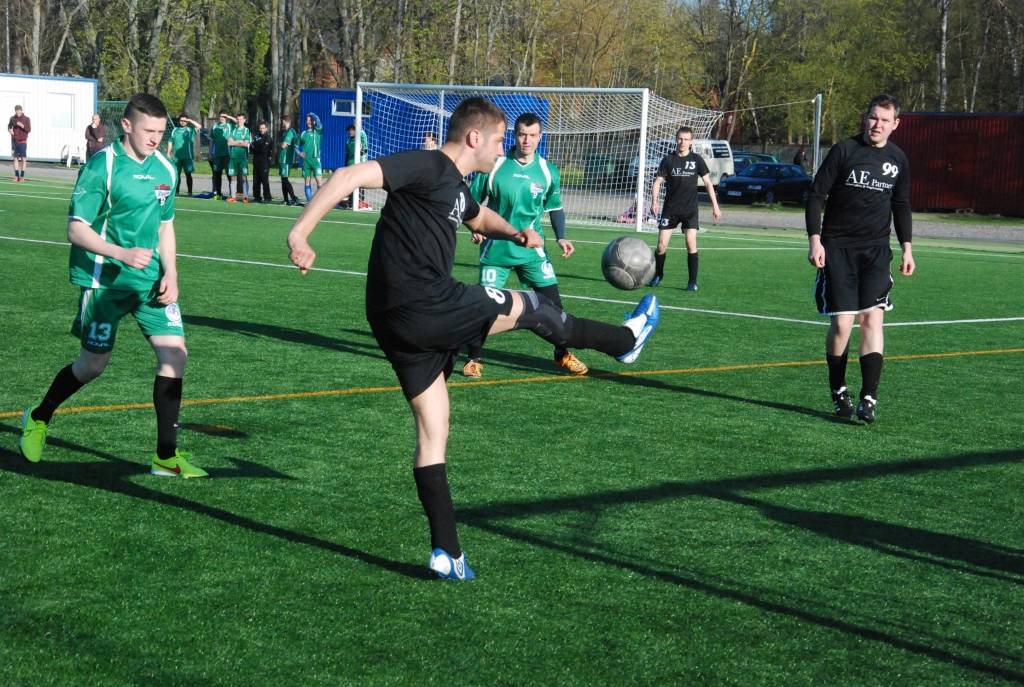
{"x": 240, "y": 133}
{"x": 350, "y": 149}
{"x": 311, "y": 140}
{"x": 286, "y": 142}
{"x": 521, "y": 194}
{"x": 124, "y": 201}
{"x": 219, "y": 139}
{"x": 183, "y": 139}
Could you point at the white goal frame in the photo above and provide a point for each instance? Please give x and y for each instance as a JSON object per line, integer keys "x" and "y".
{"x": 636, "y": 121}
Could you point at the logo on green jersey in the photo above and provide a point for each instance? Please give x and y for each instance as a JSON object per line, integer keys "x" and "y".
{"x": 163, "y": 192}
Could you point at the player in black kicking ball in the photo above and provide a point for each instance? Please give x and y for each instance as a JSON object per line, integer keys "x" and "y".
{"x": 421, "y": 316}
{"x": 862, "y": 185}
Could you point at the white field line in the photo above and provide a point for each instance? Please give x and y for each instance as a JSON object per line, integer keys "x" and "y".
{"x": 613, "y": 301}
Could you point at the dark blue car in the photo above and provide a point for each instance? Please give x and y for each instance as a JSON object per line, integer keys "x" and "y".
{"x": 766, "y": 183}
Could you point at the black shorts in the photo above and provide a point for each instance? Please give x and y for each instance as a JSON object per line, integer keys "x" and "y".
{"x": 422, "y": 339}
{"x": 854, "y": 280}
{"x": 687, "y": 220}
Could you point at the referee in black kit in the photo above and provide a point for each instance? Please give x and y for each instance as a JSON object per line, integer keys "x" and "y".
{"x": 863, "y": 183}
{"x": 421, "y": 316}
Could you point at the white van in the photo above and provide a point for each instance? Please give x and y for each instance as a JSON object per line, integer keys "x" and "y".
{"x": 717, "y": 155}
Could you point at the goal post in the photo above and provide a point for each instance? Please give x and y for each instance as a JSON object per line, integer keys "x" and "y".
{"x": 606, "y": 142}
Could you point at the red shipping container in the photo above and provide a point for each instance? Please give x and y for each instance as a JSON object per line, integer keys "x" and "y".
{"x": 961, "y": 161}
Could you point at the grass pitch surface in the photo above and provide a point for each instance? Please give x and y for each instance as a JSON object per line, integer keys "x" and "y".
{"x": 695, "y": 518}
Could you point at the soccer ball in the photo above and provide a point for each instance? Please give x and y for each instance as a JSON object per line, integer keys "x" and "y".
{"x": 627, "y": 263}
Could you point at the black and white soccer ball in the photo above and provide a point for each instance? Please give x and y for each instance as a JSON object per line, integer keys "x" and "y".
{"x": 628, "y": 263}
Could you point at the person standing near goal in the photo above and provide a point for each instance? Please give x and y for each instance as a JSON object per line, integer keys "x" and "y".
{"x": 681, "y": 168}
{"x": 121, "y": 229}
{"x": 863, "y": 185}
{"x": 420, "y": 315}
{"x": 521, "y": 188}
{"x": 311, "y": 140}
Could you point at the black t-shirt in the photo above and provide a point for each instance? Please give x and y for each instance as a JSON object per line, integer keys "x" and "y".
{"x": 681, "y": 174}
{"x": 413, "y": 248}
{"x": 861, "y": 188}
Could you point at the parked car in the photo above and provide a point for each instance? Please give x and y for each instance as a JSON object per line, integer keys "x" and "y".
{"x": 767, "y": 183}
{"x": 717, "y": 156}
{"x": 741, "y": 159}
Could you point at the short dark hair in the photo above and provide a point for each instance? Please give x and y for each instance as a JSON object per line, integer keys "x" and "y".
{"x": 684, "y": 130}
{"x": 351, "y": 127}
{"x": 473, "y": 113}
{"x": 183, "y": 116}
{"x": 886, "y": 101}
{"x": 240, "y": 114}
{"x": 286, "y": 118}
{"x": 263, "y": 122}
{"x": 527, "y": 119}
{"x": 144, "y": 103}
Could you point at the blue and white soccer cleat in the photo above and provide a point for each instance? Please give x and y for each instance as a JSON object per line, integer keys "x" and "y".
{"x": 448, "y": 568}
{"x": 642, "y": 323}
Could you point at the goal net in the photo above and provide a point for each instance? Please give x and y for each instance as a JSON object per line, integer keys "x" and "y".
{"x": 606, "y": 143}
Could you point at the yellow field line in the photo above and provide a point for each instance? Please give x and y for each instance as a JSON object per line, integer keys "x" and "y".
{"x": 503, "y": 382}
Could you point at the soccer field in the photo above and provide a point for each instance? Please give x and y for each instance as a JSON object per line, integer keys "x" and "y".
{"x": 696, "y": 518}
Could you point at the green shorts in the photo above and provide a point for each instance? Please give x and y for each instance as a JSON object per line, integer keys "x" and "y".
{"x": 186, "y": 165}
{"x": 219, "y": 164}
{"x": 101, "y": 310}
{"x": 284, "y": 169}
{"x": 533, "y": 274}
{"x": 238, "y": 168}
{"x": 311, "y": 168}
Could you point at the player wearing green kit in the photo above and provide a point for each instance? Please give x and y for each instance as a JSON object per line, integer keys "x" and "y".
{"x": 521, "y": 188}
{"x": 181, "y": 149}
{"x": 219, "y": 135}
{"x": 238, "y": 159}
{"x": 121, "y": 229}
{"x": 311, "y": 141}
{"x": 287, "y": 141}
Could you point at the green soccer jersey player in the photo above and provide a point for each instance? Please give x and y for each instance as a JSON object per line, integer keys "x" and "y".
{"x": 238, "y": 159}
{"x": 287, "y": 141}
{"x": 521, "y": 188}
{"x": 121, "y": 229}
{"x": 181, "y": 149}
{"x": 219, "y": 154}
{"x": 311, "y": 141}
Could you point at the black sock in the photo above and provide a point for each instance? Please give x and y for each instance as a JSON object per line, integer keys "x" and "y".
{"x": 551, "y": 293}
{"x": 436, "y": 497}
{"x": 188, "y": 180}
{"x": 691, "y": 266}
{"x": 63, "y": 386}
{"x": 177, "y": 186}
{"x": 167, "y": 401}
{"x": 659, "y": 264}
{"x": 217, "y": 183}
{"x": 607, "y": 338}
{"x": 870, "y": 374}
{"x": 474, "y": 351}
{"x": 836, "y": 371}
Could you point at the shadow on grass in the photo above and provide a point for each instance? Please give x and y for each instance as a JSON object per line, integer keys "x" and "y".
{"x": 287, "y": 334}
{"x": 113, "y": 474}
{"x": 956, "y": 553}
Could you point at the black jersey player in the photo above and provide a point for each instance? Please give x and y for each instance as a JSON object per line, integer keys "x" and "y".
{"x": 421, "y": 316}
{"x": 863, "y": 184}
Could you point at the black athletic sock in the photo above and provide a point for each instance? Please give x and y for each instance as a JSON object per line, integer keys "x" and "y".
{"x": 188, "y": 181}
{"x": 286, "y": 189}
{"x": 474, "y": 351}
{"x": 659, "y": 264}
{"x": 177, "y": 185}
{"x": 217, "y": 183}
{"x": 167, "y": 401}
{"x": 836, "y": 371}
{"x": 870, "y": 374}
{"x": 691, "y": 266}
{"x": 63, "y": 386}
{"x": 436, "y": 497}
{"x": 607, "y": 338}
{"x": 551, "y": 293}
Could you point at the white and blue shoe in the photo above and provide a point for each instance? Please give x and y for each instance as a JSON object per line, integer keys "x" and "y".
{"x": 642, "y": 323}
{"x": 448, "y": 568}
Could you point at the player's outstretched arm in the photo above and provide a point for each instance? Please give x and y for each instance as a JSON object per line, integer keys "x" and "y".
{"x": 492, "y": 225}
{"x": 338, "y": 187}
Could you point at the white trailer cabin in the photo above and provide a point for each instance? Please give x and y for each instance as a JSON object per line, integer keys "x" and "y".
{"x": 60, "y": 108}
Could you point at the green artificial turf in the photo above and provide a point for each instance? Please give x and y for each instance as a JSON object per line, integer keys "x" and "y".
{"x": 696, "y": 518}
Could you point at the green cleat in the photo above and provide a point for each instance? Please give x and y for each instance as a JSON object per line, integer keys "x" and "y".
{"x": 176, "y": 466}
{"x": 33, "y": 437}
